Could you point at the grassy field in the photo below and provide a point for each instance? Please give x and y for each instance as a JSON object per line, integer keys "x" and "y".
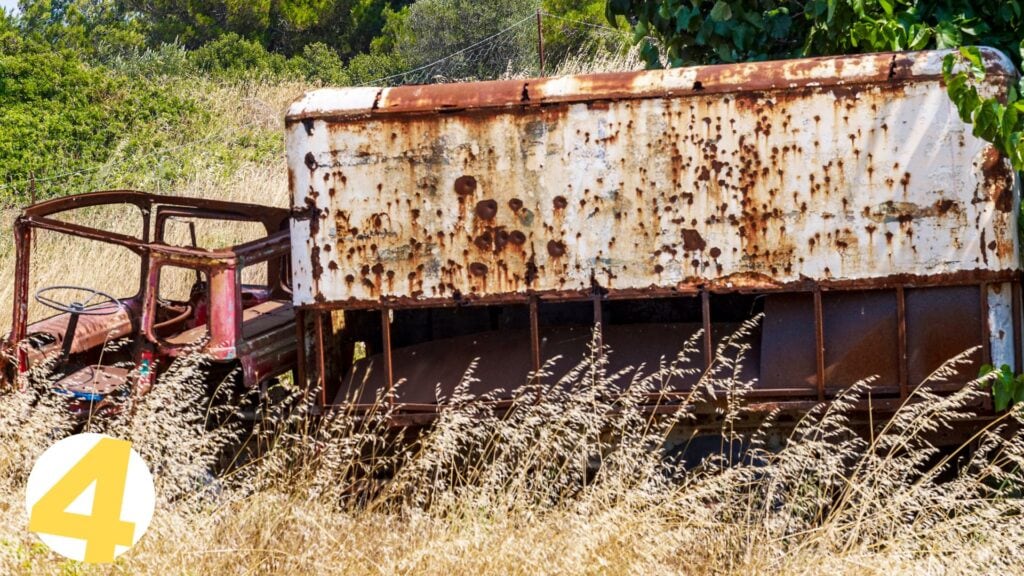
{"x": 579, "y": 483}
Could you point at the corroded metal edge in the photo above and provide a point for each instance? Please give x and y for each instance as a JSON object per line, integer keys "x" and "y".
{"x": 829, "y": 71}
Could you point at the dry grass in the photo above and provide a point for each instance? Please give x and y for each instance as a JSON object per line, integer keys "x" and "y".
{"x": 581, "y": 481}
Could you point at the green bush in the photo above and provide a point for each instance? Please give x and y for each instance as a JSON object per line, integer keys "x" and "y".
{"x": 165, "y": 60}
{"x": 62, "y": 119}
{"x": 235, "y": 58}
{"x": 374, "y": 67}
{"x": 323, "y": 64}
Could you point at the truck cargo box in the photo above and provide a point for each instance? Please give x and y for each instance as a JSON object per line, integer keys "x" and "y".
{"x": 842, "y": 198}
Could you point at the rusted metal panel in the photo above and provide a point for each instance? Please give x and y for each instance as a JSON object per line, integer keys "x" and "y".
{"x": 1000, "y": 324}
{"x": 755, "y": 176}
{"x": 943, "y": 322}
{"x": 834, "y": 73}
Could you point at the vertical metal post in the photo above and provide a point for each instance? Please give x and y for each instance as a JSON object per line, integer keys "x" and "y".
{"x": 540, "y": 40}
{"x": 321, "y": 362}
{"x": 705, "y": 311}
{"x": 69, "y": 332}
{"x": 226, "y": 324}
{"x": 300, "y": 353}
{"x": 986, "y": 340}
{"x": 819, "y": 342}
{"x": 901, "y": 320}
{"x": 22, "y": 267}
{"x": 1018, "y": 362}
{"x": 147, "y": 211}
{"x": 534, "y": 333}
{"x": 385, "y": 326}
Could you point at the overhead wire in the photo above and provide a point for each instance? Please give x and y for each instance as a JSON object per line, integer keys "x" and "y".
{"x": 452, "y": 55}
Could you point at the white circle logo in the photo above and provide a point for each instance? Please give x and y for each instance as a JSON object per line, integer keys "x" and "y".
{"x": 90, "y": 497}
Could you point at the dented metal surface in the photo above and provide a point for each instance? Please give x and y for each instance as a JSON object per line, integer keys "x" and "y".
{"x": 757, "y": 176}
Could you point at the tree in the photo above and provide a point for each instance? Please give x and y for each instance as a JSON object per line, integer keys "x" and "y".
{"x": 578, "y": 29}
{"x": 91, "y": 28}
{"x": 441, "y": 28}
{"x": 281, "y": 26}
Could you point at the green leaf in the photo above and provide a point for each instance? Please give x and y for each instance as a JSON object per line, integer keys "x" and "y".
{"x": 650, "y": 55}
{"x": 986, "y": 121}
{"x": 947, "y": 70}
{"x": 1001, "y": 396}
{"x": 640, "y": 30}
{"x": 920, "y": 39}
{"x": 973, "y": 55}
{"x": 1018, "y": 393}
{"x": 887, "y": 6}
{"x": 722, "y": 12}
{"x": 685, "y": 18}
{"x": 616, "y": 8}
{"x": 778, "y": 27}
{"x": 947, "y": 35}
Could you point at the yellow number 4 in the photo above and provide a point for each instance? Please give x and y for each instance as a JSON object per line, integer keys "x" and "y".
{"x": 106, "y": 465}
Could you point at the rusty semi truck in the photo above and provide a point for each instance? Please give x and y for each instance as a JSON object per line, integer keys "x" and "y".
{"x": 841, "y": 198}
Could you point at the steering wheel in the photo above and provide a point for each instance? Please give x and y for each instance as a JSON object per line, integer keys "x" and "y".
{"x": 78, "y": 308}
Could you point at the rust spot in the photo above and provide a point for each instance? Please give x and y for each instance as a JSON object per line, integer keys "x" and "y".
{"x": 378, "y": 268}
{"x": 997, "y": 175}
{"x": 516, "y": 237}
{"x": 311, "y": 161}
{"x": 483, "y": 241}
{"x": 478, "y": 269}
{"x": 560, "y": 202}
{"x": 715, "y": 252}
{"x": 658, "y": 268}
{"x": 465, "y": 185}
{"x": 318, "y": 269}
{"x": 500, "y": 240}
{"x": 692, "y": 240}
{"x": 487, "y": 209}
{"x": 515, "y": 204}
{"x": 556, "y": 248}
